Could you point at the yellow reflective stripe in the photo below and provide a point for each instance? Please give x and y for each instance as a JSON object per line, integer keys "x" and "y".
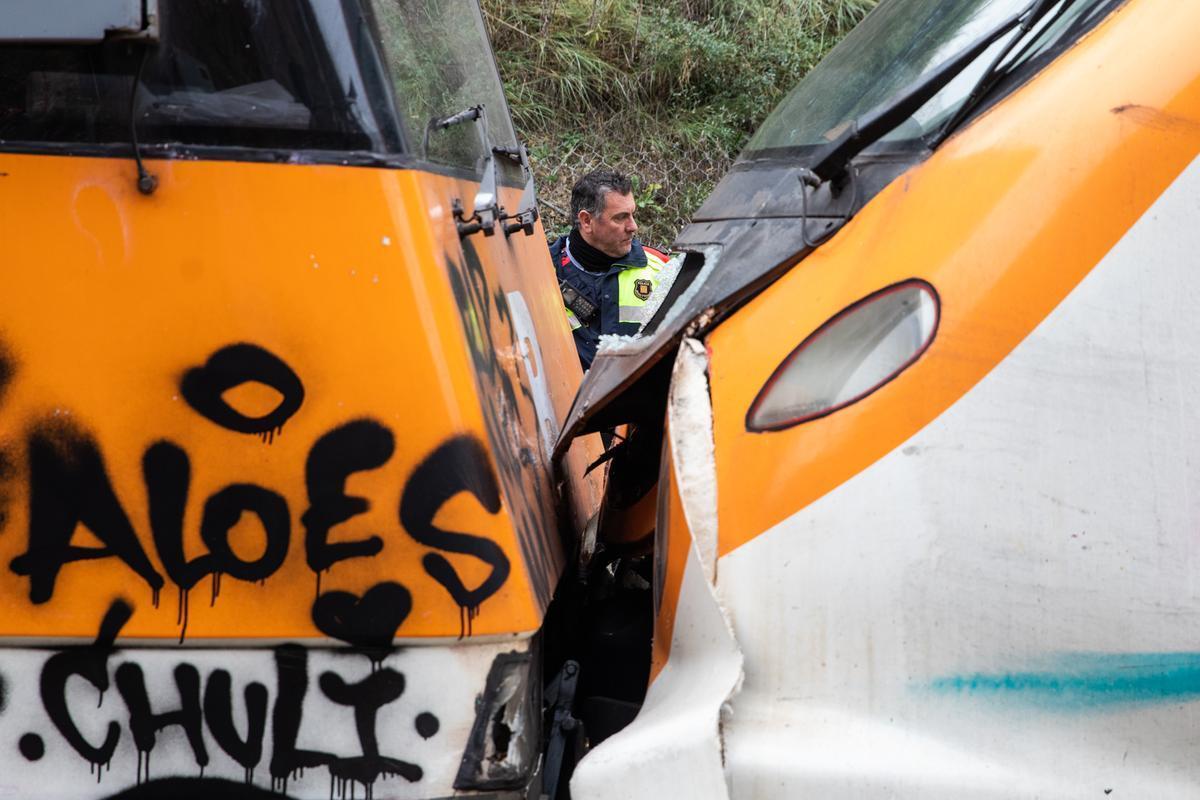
{"x": 631, "y": 306}
{"x": 572, "y": 319}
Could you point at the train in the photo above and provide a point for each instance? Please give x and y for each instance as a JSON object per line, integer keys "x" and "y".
{"x": 925, "y": 515}
{"x": 892, "y": 496}
{"x": 283, "y": 364}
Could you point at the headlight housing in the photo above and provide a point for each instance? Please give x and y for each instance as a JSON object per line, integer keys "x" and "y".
{"x": 854, "y": 353}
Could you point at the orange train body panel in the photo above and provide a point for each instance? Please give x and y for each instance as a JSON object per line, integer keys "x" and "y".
{"x": 1000, "y": 263}
{"x": 350, "y": 277}
{"x": 672, "y": 543}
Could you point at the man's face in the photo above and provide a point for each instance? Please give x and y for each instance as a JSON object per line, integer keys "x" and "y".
{"x": 611, "y": 231}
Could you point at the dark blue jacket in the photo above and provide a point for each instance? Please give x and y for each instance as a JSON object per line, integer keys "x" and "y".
{"x": 604, "y": 290}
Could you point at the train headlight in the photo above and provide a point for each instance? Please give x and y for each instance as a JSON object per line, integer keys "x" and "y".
{"x": 855, "y": 352}
{"x": 502, "y": 750}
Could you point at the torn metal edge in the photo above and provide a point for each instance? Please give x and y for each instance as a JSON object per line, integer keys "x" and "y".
{"x": 614, "y": 344}
{"x": 689, "y": 409}
{"x": 693, "y": 452}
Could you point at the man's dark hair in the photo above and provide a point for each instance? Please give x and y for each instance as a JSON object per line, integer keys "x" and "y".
{"x": 590, "y": 190}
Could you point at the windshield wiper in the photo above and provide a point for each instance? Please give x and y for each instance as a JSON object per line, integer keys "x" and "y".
{"x": 831, "y": 160}
{"x": 993, "y": 73}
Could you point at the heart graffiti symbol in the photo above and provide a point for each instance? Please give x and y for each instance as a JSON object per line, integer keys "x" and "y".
{"x": 368, "y": 621}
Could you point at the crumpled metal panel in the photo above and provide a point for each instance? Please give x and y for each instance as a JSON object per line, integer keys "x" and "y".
{"x": 674, "y": 746}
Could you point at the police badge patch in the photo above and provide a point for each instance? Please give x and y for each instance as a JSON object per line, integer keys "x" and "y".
{"x": 642, "y": 288}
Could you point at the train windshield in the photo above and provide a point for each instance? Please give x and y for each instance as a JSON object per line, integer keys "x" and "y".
{"x": 437, "y": 54}
{"x": 899, "y": 43}
{"x": 286, "y": 74}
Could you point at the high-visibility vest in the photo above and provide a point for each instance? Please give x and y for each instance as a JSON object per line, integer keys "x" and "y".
{"x": 631, "y": 282}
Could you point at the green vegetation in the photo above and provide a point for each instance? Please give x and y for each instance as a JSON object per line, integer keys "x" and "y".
{"x": 668, "y": 90}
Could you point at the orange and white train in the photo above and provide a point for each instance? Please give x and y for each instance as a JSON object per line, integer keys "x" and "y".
{"x": 293, "y": 491}
{"x": 929, "y": 499}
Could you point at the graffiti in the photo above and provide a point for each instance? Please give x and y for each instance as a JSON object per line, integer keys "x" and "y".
{"x": 369, "y": 622}
{"x": 218, "y": 711}
{"x": 91, "y": 664}
{"x": 204, "y": 388}
{"x": 69, "y": 486}
{"x": 427, "y": 725}
{"x": 366, "y": 697}
{"x": 223, "y": 708}
{"x": 354, "y": 447}
{"x": 144, "y": 724}
{"x": 201, "y": 709}
{"x": 146, "y": 718}
{"x": 458, "y": 465}
{"x": 32, "y": 747}
{"x": 490, "y": 330}
{"x": 8, "y": 368}
{"x": 166, "y": 471}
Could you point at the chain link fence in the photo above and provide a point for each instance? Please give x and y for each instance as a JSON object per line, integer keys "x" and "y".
{"x": 671, "y": 179}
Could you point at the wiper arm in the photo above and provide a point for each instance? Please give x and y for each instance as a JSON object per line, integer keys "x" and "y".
{"x": 146, "y": 182}
{"x": 831, "y": 160}
{"x": 989, "y": 77}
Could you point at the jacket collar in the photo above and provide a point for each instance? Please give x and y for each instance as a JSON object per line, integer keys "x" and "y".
{"x": 635, "y": 258}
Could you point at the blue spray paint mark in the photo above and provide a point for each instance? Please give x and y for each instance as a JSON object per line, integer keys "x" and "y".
{"x": 1081, "y": 681}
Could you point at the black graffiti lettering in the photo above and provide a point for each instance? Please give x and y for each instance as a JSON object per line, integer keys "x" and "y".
{"x": 223, "y": 510}
{"x": 291, "y": 665}
{"x": 218, "y": 712}
{"x": 460, "y": 464}
{"x": 69, "y": 485}
{"x": 366, "y": 698}
{"x": 204, "y": 387}
{"x": 354, "y": 447}
{"x": 369, "y": 622}
{"x": 167, "y": 473}
{"x": 144, "y": 724}
{"x": 91, "y": 664}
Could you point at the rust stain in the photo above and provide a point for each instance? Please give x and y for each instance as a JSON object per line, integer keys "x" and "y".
{"x": 1158, "y": 119}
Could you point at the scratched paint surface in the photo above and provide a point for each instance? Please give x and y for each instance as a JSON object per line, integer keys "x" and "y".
{"x": 269, "y": 401}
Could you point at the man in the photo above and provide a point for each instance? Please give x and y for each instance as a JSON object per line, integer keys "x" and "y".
{"x": 606, "y": 275}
